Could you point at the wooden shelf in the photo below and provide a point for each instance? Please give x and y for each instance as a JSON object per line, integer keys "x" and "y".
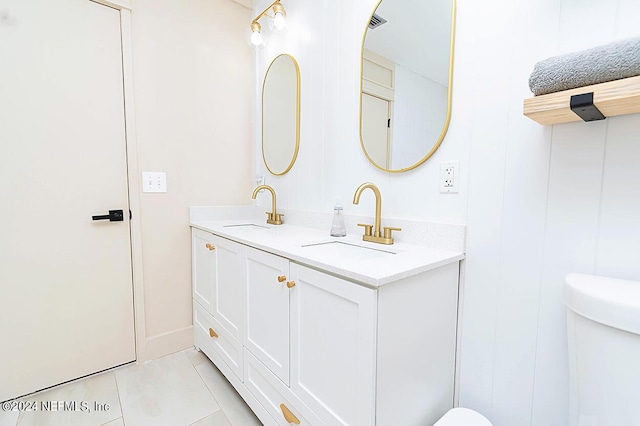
{"x": 612, "y": 98}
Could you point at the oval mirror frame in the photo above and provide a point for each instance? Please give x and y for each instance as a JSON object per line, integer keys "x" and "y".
{"x": 447, "y": 120}
{"x": 295, "y": 145}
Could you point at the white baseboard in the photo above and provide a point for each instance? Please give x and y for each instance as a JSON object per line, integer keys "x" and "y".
{"x": 167, "y": 343}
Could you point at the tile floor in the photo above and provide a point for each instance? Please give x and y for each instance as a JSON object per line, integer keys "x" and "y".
{"x": 182, "y": 389}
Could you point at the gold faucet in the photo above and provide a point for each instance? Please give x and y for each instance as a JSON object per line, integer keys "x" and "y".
{"x": 273, "y": 218}
{"x": 377, "y": 237}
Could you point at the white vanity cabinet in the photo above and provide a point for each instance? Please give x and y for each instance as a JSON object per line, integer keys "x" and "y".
{"x": 318, "y": 349}
{"x": 218, "y": 298}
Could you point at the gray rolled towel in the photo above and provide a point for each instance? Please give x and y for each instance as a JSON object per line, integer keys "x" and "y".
{"x": 613, "y": 61}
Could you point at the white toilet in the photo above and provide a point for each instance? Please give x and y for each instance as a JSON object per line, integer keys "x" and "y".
{"x": 463, "y": 417}
{"x": 603, "y": 319}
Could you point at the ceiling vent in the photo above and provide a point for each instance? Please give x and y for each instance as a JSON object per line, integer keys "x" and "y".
{"x": 376, "y": 21}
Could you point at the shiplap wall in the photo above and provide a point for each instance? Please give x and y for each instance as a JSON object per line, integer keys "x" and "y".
{"x": 543, "y": 202}
{"x": 539, "y": 201}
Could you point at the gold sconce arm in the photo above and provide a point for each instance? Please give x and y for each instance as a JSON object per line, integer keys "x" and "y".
{"x": 277, "y": 8}
{"x": 279, "y": 15}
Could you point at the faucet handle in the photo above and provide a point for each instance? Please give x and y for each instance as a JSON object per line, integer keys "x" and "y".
{"x": 367, "y": 228}
{"x": 274, "y": 218}
{"x": 388, "y": 229}
{"x": 274, "y": 215}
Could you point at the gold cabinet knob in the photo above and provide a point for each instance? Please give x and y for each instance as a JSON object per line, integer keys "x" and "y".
{"x": 282, "y": 278}
{"x": 210, "y": 247}
{"x": 291, "y": 284}
{"x": 288, "y": 415}
{"x": 212, "y": 333}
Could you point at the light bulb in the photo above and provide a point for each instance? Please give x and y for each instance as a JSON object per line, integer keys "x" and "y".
{"x": 279, "y": 21}
{"x": 256, "y": 38}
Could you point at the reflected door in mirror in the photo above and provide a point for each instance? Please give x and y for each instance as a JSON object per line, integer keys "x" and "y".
{"x": 375, "y": 128}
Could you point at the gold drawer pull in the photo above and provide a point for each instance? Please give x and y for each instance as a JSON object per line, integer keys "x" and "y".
{"x": 212, "y": 333}
{"x": 210, "y": 247}
{"x": 288, "y": 415}
{"x": 281, "y": 278}
{"x": 291, "y": 284}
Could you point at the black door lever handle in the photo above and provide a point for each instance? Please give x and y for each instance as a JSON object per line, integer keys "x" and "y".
{"x": 113, "y": 216}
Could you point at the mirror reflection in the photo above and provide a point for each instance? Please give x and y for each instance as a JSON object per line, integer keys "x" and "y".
{"x": 281, "y": 115}
{"x": 407, "y": 60}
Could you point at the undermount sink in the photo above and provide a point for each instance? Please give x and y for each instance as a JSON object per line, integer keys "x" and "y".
{"x": 246, "y": 225}
{"x": 351, "y": 251}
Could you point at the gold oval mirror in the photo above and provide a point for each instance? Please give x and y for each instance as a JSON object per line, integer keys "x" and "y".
{"x": 406, "y": 78}
{"x": 281, "y": 115}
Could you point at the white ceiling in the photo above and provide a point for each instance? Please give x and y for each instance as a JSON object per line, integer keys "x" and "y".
{"x": 245, "y": 3}
{"x": 416, "y": 36}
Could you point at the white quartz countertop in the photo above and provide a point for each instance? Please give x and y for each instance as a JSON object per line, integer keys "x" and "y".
{"x": 380, "y": 265}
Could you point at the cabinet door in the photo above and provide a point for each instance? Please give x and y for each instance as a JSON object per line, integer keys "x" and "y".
{"x": 228, "y": 286}
{"x": 333, "y": 324}
{"x": 203, "y": 268}
{"x": 267, "y": 310}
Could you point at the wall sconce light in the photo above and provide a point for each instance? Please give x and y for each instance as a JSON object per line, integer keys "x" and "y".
{"x": 279, "y": 21}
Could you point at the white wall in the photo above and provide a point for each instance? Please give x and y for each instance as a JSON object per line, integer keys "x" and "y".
{"x": 419, "y": 113}
{"x": 539, "y": 201}
{"x": 193, "y": 92}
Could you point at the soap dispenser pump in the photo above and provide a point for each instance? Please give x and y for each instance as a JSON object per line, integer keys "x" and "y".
{"x": 337, "y": 227}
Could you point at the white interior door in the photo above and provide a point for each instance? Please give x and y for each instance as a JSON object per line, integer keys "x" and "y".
{"x": 66, "y": 303}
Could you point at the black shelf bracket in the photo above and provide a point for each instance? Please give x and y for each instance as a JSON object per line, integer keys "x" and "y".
{"x": 584, "y": 108}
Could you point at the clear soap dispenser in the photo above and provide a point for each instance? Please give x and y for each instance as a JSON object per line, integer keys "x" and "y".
{"x": 337, "y": 227}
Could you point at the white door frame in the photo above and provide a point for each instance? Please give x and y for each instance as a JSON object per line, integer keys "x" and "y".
{"x": 124, "y": 6}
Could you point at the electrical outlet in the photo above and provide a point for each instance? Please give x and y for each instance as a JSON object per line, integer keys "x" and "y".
{"x": 154, "y": 182}
{"x": 449, "y": 177}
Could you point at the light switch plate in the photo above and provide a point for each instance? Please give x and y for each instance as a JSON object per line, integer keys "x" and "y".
{"x": 154, "y": 182}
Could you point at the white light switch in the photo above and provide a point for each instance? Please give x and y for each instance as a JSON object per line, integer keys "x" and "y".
{"x": 154, "y": 182}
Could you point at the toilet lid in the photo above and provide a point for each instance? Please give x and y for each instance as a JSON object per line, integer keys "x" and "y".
{"x": 463, "y": 417}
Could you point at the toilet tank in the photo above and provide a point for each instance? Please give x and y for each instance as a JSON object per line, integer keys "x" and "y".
{"x": 603, "y": 320}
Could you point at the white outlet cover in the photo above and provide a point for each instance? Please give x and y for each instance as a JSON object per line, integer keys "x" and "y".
{"x": 154, "y": 182}
{"x": 449, "y": 177}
